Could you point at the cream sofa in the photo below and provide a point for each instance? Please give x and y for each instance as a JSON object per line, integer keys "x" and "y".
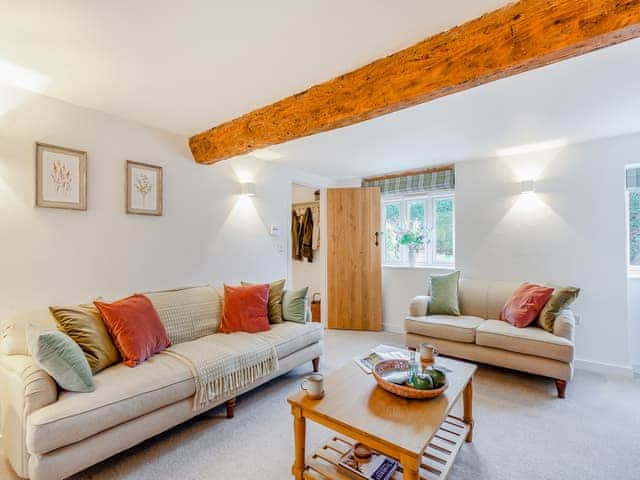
{"x": 478, "y": 336}
{"x": 48, "y": 433}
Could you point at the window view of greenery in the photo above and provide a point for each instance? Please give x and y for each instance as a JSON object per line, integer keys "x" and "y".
{"x": 392, "y": 226}
{"x": 634, "y": 228}
{"x": 444, "y": 230}
{"x": 419, "y": 231}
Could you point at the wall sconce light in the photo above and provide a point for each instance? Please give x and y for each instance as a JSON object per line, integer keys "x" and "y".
{"x": 248, "y": 189}
{"x": 527, "y": 186}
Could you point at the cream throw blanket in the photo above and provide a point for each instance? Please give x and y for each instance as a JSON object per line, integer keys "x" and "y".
{"x": 224, "y": 364}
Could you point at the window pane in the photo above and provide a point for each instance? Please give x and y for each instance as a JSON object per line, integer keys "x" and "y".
{"x": 416, "y": 230}
{"x": 444, "y": 248}
{"x": 392, "y": 226}
{"x": 634, "y": 228}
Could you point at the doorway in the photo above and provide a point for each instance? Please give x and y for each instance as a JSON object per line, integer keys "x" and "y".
{"x": 308, "y": 249}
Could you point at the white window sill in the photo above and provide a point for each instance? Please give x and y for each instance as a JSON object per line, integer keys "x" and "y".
{"x": 633, "y": 274}
{"x": 420, "y": 267}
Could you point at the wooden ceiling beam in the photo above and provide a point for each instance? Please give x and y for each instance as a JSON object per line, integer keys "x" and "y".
{"x": 511, "y": 40}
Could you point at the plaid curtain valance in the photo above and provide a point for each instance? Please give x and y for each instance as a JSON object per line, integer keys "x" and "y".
{"x": 423, "y": 182}
{"x": 633, "y": 177}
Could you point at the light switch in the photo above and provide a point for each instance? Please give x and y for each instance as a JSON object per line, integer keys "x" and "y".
{"x": 274, "y": 230}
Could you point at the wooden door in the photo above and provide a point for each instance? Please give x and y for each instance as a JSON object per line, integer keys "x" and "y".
{"x": 354, "y": 259}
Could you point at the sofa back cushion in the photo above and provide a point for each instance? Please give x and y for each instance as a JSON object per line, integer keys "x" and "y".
{"x": 473, "y": 297}
{"x": 484, "y": 298}
{"x": 188, "y": 313}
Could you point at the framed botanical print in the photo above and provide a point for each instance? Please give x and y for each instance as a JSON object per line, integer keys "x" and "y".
{"x": 144, "y": 188}
{"x": 61, "y": 177}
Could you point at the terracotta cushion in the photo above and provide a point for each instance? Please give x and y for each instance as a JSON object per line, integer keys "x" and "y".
{"x": 245, "y": 309}
{"x": 135, "y": 328}
{"x": 525, "y": 304}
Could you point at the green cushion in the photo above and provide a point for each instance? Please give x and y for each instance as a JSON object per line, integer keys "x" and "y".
{"x": 561, "y": 298}
{"x": 61, "y": 358}
{"x": 294, "y": 305}
{"x": 275, "y": 300}
{"x": 444, "y": 294}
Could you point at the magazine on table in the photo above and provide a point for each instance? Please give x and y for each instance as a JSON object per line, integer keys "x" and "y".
{"x": 378, "y": 467}
{"x": 386, "y": 352}
{"x": 377, "y": 354}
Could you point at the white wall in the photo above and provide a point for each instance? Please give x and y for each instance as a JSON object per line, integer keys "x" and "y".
{"x": 208, "y": 233}
{"x": 633, "y": 302}
{"x": 304, "y": 273}
{"x": 571, "y": 231}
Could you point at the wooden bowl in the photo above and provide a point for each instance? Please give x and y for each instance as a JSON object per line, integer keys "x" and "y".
{"x": 403, "y": 390}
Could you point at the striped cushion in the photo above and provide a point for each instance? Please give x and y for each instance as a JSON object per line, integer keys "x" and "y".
{"x": 188, "y": 313}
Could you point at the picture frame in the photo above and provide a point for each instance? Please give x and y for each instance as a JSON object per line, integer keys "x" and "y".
{"x": 144, "y": 195}
{"x": 61, "y": 177}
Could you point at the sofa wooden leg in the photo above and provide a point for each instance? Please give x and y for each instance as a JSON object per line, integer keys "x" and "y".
{"x": 231, "y": 406}
{"x": 316, "y": 364}
{"x": 561, "y": 385}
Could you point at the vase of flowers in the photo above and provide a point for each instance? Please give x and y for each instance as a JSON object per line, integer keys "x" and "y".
{"x": 413, "y": 239}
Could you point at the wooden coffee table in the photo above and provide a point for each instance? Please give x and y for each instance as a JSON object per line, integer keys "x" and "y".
{"x": 421, "y": 434}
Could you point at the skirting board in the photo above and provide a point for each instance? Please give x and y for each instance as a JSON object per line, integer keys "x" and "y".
{"x": 393, "y": 327}
{"x": 605, "y": 368}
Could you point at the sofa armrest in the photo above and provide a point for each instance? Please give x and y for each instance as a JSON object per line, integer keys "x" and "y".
{"x": 419, "y": 306}
{"x": 25, "y": 389}
{"x": 565, "y": 324}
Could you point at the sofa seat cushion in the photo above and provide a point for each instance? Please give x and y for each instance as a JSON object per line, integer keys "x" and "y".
{"x": 530, "y": 340}
{"x": 289, "y": 337}
{"x": 456, "y": 328}
{"x": 121, "y": 394}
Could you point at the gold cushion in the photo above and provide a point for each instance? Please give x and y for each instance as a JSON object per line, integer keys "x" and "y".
{"x": 561, "y": 298}
{"x": 275, "y": 300}
{"x": 83, "y": 323}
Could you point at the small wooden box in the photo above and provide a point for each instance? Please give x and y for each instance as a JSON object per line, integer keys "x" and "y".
{"x": 315, "y": 312}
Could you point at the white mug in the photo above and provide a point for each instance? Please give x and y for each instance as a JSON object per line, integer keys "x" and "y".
{"x": 313, "y": 385}
{"x": 428, "y": 352}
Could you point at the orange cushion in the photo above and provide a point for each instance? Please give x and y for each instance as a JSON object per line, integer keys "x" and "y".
{"x": 135, "y": 328}
{"x": 245, "y": 309}
{"x": 525, "y": 304}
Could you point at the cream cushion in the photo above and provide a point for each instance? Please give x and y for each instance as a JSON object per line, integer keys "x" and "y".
{"x": 188, "y": 313}
{"x": 13, "y": 330}
{"x": 531, "y": 340}
{"x": 458, "y": 329}
{"x": 123, "y": 394}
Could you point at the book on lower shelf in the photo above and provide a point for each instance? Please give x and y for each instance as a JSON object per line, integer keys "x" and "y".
{"x": 378, "y": 467}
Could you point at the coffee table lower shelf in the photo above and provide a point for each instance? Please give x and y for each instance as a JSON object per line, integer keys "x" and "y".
{"x": 436, "y": 461}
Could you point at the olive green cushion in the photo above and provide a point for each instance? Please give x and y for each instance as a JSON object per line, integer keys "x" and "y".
{"x": 275, "y": 300}
{"x": 294, "y": 305}
{"x": 560, "y": 299}
{"x": 444, "y": 294}
{"x": 58, "y": 355}
{"x": 83, "y": 323}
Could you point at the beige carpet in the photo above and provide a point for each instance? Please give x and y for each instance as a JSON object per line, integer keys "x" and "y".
{"x": 522, "y": 430}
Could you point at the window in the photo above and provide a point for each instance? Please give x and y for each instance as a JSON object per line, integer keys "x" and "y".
{"x": 633, "y": 226}
{"x": 419, "y": 230}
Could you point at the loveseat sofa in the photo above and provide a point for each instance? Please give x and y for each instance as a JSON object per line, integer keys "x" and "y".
{"x": 48, "y": 433}
{"x": 478, "y": 336}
